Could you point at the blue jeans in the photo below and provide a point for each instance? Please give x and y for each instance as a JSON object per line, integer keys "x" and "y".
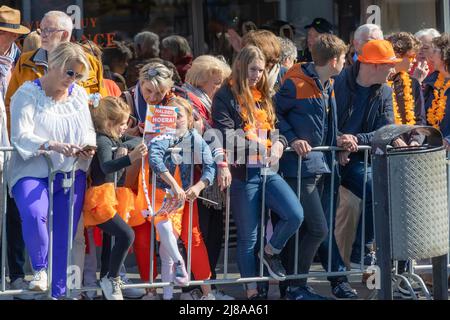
{"x": 246, "y": 197}
{"x": 352, "y": 178}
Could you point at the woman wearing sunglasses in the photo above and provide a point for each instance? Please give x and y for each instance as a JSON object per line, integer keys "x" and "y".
{"x": 50, "y": 115}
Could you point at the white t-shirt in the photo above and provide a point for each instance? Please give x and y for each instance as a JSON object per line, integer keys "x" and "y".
{"x": 36, "y": 119}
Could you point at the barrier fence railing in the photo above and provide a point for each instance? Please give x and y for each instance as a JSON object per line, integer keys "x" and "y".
{"x": 226, "y": 275}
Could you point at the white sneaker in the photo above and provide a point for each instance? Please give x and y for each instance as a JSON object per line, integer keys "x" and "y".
{"x": 131, "y": 293}
{"x": 209, "y": 296}
{"x": 39, "y": 282}
{"x": 151, "y": 296}
{"x": 195, "y": 294}
{"x": 21, "y": 284}
{"x": 220, "y": 295}
{"x": 111, "y": 288}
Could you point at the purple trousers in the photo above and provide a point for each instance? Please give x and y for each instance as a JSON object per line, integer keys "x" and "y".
{"x": 32, "y": 199}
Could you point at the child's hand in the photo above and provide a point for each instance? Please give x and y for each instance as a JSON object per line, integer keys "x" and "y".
{"x": 121, "y": 152}
{"x": 193, "y": 192}
{"x": 178, "y": 192}
{"x": 138, "y": 152}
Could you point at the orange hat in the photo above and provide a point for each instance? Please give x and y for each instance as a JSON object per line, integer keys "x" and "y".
{"x": 378, "y": 52}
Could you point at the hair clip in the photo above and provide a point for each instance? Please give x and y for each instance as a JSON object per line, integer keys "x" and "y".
{"x": 152, "y": 73}
{"x": 94, "y": 99}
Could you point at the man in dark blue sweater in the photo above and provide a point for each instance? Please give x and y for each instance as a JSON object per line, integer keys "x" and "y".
{"x": 364, "y": 105}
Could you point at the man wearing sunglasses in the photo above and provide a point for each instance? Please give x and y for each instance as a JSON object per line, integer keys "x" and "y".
{"x": 55, "y": 27}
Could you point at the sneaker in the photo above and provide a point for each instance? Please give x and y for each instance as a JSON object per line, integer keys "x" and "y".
{"x": 304, "y": 293}
{"x": 400, "y": 290}
{"x": 21, "y": 284}
{"x": 208, "y": 296}
{"x": 181, "y": 277}
{"x": 343, "y": 290}
{"x": 39, "y": 282}
{"x": 111, "y": 288}
{"x": 131, "y": 293}
{"x": 195, "y": 294}
{"x": 220, "y": 295}
{"x": 274, "y": 266}
{"x": 370, "y": 259}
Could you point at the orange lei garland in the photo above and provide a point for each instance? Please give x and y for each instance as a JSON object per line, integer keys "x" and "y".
{"x": 261, "y": 125}
{"x": 437, "y": 111}
{"x": 408, "y": 101}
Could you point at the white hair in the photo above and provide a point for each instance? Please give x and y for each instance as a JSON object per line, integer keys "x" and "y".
{"x": 427, "y": 32}
{"x": 288, "y": 49}
{"x": 146, "y": 45}
{"x": 63, "y": 20}
{"x": 363, "y": 32}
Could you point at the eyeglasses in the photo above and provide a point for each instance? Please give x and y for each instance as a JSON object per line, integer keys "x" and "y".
{"x": 73, "y": 74}
{"x": 48, "y": 31}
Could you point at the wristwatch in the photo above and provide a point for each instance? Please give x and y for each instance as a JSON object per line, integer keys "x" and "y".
{"x": 47, "y": 146}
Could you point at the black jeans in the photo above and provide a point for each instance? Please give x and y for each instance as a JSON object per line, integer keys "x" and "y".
{"x": 15, "y": 243}
{"x": 312, "y": 232}
{"x": 212, "y": 229}
{"x": 112, "y": 259}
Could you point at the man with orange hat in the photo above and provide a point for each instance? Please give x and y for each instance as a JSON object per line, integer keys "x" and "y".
{"x": 364, "y": 105}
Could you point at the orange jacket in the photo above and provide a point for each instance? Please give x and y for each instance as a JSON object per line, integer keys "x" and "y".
{"x": 27, "y": 69}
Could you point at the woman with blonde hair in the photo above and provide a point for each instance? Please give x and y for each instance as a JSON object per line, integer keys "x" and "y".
{"x": 50, "y": 115}
{"x": 244, "y": 107}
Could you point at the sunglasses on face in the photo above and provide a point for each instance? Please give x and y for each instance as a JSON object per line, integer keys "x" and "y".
{"x": 72, "y": 74}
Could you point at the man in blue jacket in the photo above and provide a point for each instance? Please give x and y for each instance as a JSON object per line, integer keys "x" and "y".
{"x": 364, "y": 105}
{"x": 306, "y": 111}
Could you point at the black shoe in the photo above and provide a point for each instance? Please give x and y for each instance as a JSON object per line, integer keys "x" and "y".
{"x": 274, "y": 266}
{"x": 304, "y": 293}
{"x": 368, "y": 260}
{"x": 257, "y": 296}
{"x": 343, "y": 290}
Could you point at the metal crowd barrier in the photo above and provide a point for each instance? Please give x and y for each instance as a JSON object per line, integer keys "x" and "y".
{"x": 68, "y": 185}
{"x": 226, "y": 276}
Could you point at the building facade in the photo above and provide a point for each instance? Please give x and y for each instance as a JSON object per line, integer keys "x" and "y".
{"x": 205, "y": 22}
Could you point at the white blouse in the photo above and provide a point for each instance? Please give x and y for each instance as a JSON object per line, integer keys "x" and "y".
{"x": 36, "y": 119}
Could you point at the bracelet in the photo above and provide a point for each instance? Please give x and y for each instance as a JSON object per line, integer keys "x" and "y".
{"x": 222, "y": 164}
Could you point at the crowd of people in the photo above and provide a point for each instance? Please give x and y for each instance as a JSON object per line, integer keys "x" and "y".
{"x": 85, "y": 106}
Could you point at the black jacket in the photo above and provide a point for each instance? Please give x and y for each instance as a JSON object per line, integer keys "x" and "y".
{"x": 227, "y": 119}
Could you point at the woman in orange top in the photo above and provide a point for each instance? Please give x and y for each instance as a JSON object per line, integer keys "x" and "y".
{"x": 105, "y": 206}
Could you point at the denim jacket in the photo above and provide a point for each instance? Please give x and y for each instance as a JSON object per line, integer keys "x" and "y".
{"x": 163, "y": 161}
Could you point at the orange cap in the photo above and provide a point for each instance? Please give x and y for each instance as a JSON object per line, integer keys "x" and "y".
{"x": 378, "y": 52}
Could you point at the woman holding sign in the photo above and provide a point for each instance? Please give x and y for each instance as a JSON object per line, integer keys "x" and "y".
{"x": 243, "y": 107}
{"x": 155, "y": 87}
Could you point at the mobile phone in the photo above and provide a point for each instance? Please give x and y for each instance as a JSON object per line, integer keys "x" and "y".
{"x": 89, "y": 148}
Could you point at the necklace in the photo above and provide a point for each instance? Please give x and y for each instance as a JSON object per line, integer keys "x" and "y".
{"x": 437, "y": 111}
{"x": 408, "y": 101}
